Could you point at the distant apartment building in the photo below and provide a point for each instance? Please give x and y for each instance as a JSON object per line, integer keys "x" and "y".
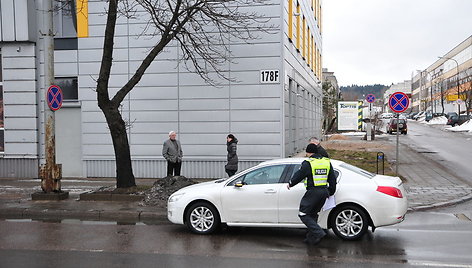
{"x": 271, "y": 118}
{"x": 445, "y": 85}
{"x": 329, "y": 77}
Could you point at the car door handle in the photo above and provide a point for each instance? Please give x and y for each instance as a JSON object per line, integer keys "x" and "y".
{"x": 270, "y": 191}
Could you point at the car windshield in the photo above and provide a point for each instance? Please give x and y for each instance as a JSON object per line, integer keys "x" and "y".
{"x": 357, "y": 170}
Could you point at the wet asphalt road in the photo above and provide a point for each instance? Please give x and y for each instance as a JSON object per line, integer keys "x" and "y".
{"x": 440, "y": 238}
{"x": 453, "y": 150}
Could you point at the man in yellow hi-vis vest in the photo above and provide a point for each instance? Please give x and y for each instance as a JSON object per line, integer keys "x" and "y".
{"x": 320, "y": 183}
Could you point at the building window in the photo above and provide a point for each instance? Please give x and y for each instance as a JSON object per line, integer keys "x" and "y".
{"x": 2, "y": 126}
{"x": 65, "y": 19}
{"x": 69, "y": 87}
{"x": 65, "y": 25}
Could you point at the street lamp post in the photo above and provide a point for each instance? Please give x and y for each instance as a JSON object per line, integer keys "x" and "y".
{"x": 457, "y": 81}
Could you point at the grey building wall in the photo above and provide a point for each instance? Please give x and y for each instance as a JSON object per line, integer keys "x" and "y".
{"x": 20, "y": 110}
{"x": 170, "y": 98}
{"x": 270, "y": 120}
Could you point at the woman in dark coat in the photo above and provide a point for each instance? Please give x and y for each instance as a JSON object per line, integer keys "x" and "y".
{"x": 232, "y": 166}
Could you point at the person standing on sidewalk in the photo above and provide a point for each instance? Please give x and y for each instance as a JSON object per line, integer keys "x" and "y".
{"x": 232, "y": 166}
{"x": 320, "y": 183}
{"x": 321, "y": 150}
{"x": 172, "y": 152}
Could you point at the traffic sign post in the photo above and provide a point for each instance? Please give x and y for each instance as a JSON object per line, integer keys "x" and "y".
{"x": 398, "y": 103}
{"x": 370, "y": 131}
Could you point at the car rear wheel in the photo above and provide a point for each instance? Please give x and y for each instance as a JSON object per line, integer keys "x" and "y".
{"x": 349, "y": 222}
{"x": 202, "y": 218}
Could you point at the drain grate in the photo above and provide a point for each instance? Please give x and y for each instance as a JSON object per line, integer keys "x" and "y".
{"x": 427, "y": 152}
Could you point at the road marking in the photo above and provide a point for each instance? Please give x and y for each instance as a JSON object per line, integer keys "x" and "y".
{"x": 438, "y": 264}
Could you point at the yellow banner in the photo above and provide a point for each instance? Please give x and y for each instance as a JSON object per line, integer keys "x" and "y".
{"x": 82, "y": 18}
{"x": 454, "y": 97}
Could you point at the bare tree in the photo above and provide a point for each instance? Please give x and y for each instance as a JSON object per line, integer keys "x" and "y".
{"x": 202, "y": 28}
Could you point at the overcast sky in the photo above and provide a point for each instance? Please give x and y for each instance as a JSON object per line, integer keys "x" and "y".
{"x": 384, "y": 41}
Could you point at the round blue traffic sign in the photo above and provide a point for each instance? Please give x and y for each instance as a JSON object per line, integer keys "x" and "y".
{"x": 398, "y": 102}
{"x": 370, "y": 98}
{"x": 54, "y": 97}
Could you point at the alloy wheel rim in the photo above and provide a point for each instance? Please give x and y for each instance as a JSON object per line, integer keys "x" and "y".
{"x": 349, "y": 223}
{"x": 202, "y": 219}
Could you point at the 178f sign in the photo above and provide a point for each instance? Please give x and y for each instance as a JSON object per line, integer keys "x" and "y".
{"x": 269, "y": 76}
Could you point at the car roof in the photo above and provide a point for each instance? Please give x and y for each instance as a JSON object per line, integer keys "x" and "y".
{"x": 294, "y": 160}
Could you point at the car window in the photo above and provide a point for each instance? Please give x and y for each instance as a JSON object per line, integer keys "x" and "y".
{"x": 264, "y": 175}
{"x": 357, "y": 170}
{"x": 297, "y": 167}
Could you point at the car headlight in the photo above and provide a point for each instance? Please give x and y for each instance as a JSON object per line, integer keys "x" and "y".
{"x": 175, "y": 197}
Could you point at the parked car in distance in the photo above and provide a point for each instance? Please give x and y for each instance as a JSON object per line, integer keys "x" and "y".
{"x": 252, "y": 198}
{"x": 448, "y": 115}
{"x": 418, "y": 115}
{"x": 392, "y": 126}
{"x": 455, "y": 120}
{"x": 411, "y": 115}
{"x": 429, "y": 116}
{"x": 386, "y": 116}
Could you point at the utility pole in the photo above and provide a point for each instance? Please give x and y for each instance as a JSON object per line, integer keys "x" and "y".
{"x": 457, "y": 81}
{"x": 50, "y": 173}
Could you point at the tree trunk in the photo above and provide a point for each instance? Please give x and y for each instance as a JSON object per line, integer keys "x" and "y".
{"x": 124, "y": 169}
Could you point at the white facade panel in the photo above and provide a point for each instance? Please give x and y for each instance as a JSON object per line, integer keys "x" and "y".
{"x": 23, "y": 149}
{"x": 20, "y": 110}
{"x": 21, "y": 20}
{"x": 8, "y": 20}
{"x": 15, "y": 123}
{"x": 21, "y": 136}
{"x": 19, "y": 74}
{"x": 19, "y": 86}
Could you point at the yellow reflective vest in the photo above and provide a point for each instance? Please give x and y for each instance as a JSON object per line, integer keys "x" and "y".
{"x": 320, "y": 170}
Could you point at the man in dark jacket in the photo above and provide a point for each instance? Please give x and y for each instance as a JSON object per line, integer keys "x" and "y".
{"x": 320, "y": 183}
{"x": 321, "y": 150}
{"x": 172, "y": 152}
{"x": 231, "y": 146}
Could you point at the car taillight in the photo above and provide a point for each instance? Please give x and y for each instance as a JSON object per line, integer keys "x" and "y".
{"x": 392, "y": 191}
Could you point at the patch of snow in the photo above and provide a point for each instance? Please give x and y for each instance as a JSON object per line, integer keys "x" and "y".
{"x": 358, "y": 133}
{"x": 465, "y": 127}
{"x": 441, "y": 120}
{"x": 422, "y": 119}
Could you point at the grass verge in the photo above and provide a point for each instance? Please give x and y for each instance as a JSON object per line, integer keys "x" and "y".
{"x": 362, "y": 159}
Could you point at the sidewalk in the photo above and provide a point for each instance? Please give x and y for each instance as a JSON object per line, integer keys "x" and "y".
{"x": 428, "y": 185}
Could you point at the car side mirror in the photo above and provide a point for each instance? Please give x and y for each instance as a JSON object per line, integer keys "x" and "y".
{"x": 239, "y": 184}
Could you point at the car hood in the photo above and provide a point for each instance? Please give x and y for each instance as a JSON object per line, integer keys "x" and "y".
{"x": 383, "y": 180}
{"x": 206, "y": 185}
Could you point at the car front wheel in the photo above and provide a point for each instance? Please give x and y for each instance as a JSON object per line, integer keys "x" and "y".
{"x": 349, "y": 222}
{"x": 202, "y": 218}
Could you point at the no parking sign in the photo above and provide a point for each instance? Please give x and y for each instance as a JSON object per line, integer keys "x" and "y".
{"x": 398, "y": 102}
{"x": 54, "y": 97}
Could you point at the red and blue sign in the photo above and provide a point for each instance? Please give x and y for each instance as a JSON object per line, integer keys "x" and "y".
{"x": 54, "y": 97}
{"x": 370, "y": 98}
{"x": 398, "y": 102}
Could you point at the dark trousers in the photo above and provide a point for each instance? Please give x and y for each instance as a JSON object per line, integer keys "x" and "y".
{"x": 230, "y": 172}
{"x": 310, "y": 206}
{"x": 173, "y": 168}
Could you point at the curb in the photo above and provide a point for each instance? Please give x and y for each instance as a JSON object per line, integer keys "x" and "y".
{"x": 93, "y": 215}
{"x": 442, "y": 204}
